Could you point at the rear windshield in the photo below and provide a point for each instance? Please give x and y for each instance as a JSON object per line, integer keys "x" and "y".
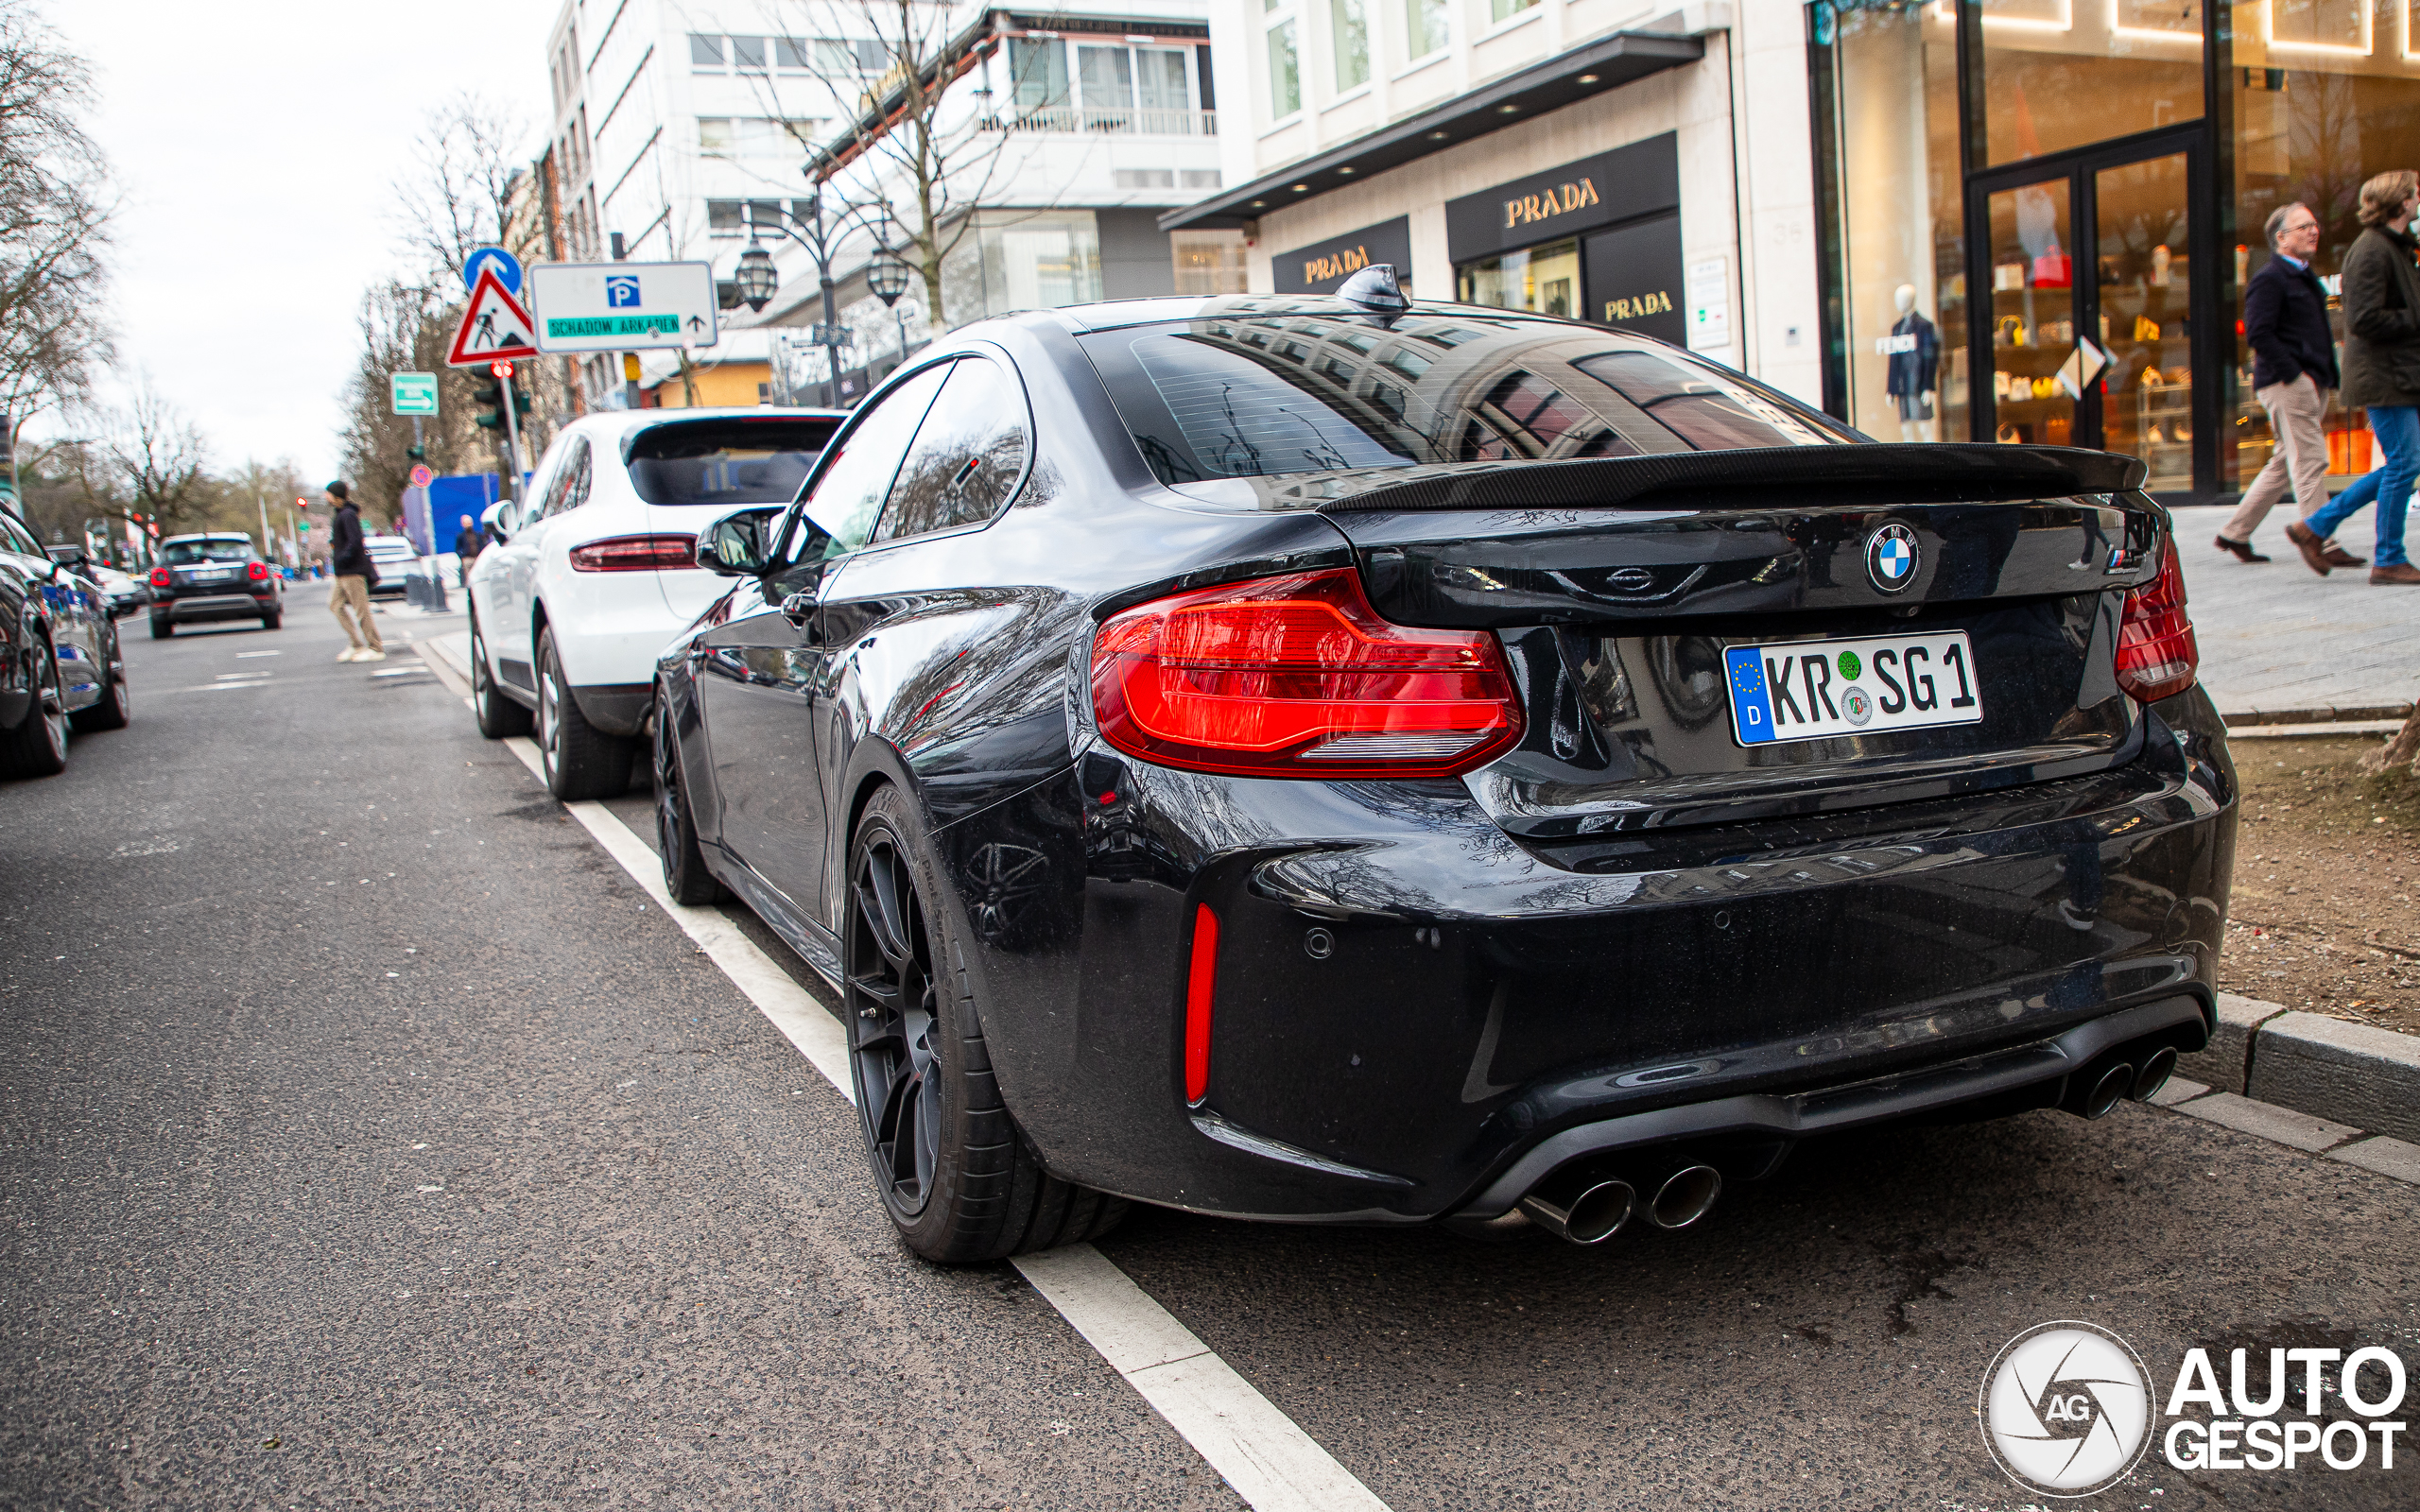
{"x": 1256, "y": 386}
{"x": 725, "y": 461}
{"x": 186, "y": 553}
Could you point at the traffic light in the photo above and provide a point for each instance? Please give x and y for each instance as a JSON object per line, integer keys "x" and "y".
{"x": 490, "y": 398}
{"x": 418, "y": 453}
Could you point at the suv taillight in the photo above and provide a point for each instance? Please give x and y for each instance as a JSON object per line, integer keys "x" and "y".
{"x": 1299, "y": 676}
{"x": 257, "y": 572}
{"x": 162, "y": 577}
{"x": 2157, "y": 654}
{"x": 635, "y": 554}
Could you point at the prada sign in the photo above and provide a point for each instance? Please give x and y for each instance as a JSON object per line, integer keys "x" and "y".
{"x": 1322, "y": 267}
{"x": 1643, "y": 178}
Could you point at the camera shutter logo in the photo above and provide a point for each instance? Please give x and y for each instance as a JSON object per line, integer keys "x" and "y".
{"x": 2066, "y": 1409}
{"x": 1891, "y": 556}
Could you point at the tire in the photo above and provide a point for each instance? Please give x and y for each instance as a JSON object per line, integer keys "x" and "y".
{"x": 498, "y": 717}
{"x": 116, "y": 709}
{"x": 685, "y": 876}
{"x": 38, "y": 747}
{"x": 270, "y": 622}
{"x": 956, "y": 1174}
{"x": 162, "y": 626}
{"x": 580, "y": 760}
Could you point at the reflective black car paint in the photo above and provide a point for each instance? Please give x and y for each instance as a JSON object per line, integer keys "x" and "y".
{"x": 1525, "y": 951}
{"x": 45, "y": 604}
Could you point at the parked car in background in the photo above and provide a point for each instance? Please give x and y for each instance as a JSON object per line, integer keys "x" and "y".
{"x": 61, "y": 667}
{"x": 595, "y": 569}
{"x": 124, "y": 594}
{"x": 1341, "y": 761}
{"x": 395, "y": 560}
{"x": 206, "y": 579}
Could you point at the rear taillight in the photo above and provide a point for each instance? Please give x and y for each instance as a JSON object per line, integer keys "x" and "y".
{"x": 2156, "y": 656}
{"x": 635, "y": 554}
{"x": 161, "y": 579}
{"x": 1299, "y": 676}
{"x": 257, "y": 572}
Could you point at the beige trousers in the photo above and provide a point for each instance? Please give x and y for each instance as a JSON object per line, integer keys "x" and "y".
{"x": 2297, "y": 414}
{"x": 349, "y": 601}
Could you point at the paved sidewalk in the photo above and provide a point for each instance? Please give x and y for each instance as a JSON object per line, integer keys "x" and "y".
{"x": 2276, "y": 638}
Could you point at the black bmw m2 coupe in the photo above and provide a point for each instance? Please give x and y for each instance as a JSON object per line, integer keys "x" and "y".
{"x": 1336, "y": 760}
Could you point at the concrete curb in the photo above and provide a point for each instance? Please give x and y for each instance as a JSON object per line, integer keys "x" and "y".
{"x": 2242, "y": 718}
{"x": 2353, "y": 1074}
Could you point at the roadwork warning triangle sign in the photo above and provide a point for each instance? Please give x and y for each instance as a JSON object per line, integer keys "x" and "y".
{"x": 495, "y": 326}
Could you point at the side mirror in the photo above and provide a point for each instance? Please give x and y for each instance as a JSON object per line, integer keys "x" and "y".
{"x": 494, "y": 522}
{"x": 740, "y": 544}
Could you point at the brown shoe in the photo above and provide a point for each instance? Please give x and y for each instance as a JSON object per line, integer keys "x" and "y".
{"x": 2402, "y": 571}
{"x": 2241, "y": 550}
{"x": 2337, "y": 557}
{"x": 2314, "y": 553}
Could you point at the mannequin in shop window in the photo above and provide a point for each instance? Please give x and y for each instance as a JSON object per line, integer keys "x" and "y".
{"x": 1913, "y": 347}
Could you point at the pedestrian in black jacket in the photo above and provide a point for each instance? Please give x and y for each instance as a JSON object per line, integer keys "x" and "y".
{"x": 349, "y": 561}
{"x": 2381, "y": 373}
{"x": 467, "y": 547}
{"x": 2293, "y": 367}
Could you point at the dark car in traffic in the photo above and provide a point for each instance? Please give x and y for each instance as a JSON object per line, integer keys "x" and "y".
{"x": 1323, "y": 760}
{"x": 205, "y": 579}
{"x": 61, "y": 666}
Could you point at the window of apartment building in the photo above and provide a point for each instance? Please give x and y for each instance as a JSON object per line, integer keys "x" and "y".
{"x": 707, "y": 52}
{"x": 729, "y": 217}
{"x": 844, "y": 54}
{"x": 828, "y": 55}
{"x": 1115, "y": 87}
{"x": 1284, "y": 68}
{"x": 741, "y": 136}
{"x": 1349, "y": 39}
{"x": 1423, "y": 28}
{"x": 1506, "y": 10}
{"x": 1167, "y": 177}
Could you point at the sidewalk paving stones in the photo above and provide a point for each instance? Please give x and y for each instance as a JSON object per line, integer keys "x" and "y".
{"x": 2364, "y": 1074}
{"x": 2177, "y": 1090}
{"x": 2282, "y": 1124}
{"x": 2387, "y": 1157}
{"x": 2276, "y": 638}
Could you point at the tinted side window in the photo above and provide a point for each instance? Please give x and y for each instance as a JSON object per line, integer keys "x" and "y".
{"x": 569, "y": 490}
{"x": 848, "y": 497}
{"x": 968, "y": 455}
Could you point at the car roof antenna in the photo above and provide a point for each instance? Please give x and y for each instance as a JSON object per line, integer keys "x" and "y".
{"x": 1377, "y": 291}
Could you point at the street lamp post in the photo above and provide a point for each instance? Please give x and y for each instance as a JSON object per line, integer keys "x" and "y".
{"x": 886, "y": 276}
{"x": 758, "y": 278}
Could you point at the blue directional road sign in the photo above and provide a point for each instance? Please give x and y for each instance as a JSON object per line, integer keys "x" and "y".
{"x": 508, "y": 268}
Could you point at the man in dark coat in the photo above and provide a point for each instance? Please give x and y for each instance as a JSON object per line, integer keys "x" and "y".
{"x": 2381, "y": 373}
{"x": 2293, "y": 367}
{"x": 353, "y": 573}
{"x": 467, "y": 547}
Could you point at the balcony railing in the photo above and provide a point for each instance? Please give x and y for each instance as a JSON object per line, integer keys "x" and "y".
{"x": 1071, "y": 120}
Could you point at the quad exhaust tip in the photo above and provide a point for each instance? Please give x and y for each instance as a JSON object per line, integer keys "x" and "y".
{"x": 2108, "y": 1089}
{"x": 1686, "y": 1196}
{"x": 1583, "y": 1209}
{"x": 2156, "y": 1068}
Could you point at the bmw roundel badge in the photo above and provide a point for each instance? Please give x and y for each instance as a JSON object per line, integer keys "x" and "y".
{"x": 1890, "y": 558}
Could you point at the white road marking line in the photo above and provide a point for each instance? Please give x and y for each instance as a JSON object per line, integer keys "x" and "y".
{"x": 400, "y": 672}
{"x": 1264, "y": 1455}
{"x": 229, "y": 677}
{"x": 241, "y": 655}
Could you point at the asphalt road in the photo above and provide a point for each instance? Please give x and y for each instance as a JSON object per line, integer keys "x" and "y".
{"x": 366, "y": 1137}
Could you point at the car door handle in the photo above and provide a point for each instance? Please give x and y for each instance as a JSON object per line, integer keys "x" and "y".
{"x": 798, "y": 608}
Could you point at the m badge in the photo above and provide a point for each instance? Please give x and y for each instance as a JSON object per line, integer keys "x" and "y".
{"x": 1890, "y": 558}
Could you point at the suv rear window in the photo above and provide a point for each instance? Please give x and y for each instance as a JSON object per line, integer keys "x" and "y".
{"x": 725, "y": 461}
{"x": 186, "y": 553}
{"x": 1255, "y": 386}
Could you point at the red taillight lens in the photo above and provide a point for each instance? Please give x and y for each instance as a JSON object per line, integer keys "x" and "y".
{"x": 1299, "y": 676}
{"x": 257, "y": 572}
{"x": 161, "y": 577}
{"x": 635, "y": 554}
{"x": 1201, "y": 982}
{"x": 2157, "y": 655}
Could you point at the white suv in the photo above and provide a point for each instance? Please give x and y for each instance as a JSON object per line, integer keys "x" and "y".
{"x": 595, "y": 569}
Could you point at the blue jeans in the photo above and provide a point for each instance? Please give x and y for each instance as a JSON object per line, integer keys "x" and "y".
{"x": 2398, "y": 429}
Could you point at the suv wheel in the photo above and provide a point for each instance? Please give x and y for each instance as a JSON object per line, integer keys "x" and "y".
{"x": 38, "y": 747}
{"x": 114, "y": 710}
{"x": 162, "y": 626}
{"x": 685, "y": 876}
{"x": 498, "y": 717}
{"x": 956, "y": 1174}
{"x": 580, "y": 760}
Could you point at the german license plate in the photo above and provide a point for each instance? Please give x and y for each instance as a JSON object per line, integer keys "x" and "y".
{"x": 1818, "y": 690}
{"x": 211, "y": 574}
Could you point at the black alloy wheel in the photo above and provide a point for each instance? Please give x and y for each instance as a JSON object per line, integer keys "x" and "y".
{"x": 580, "y": 760}
{"x": 114, "y": 710}
{"x": 38, "y": 747}
{"x": 498, "y": 717}
{"x": 957, "y": 1176}
{"x": 162, "y": 626}
{"x": 685, "y": 876}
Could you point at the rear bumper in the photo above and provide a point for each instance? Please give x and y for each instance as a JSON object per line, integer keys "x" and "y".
{"x": 216, "y": 607}
{"x": 1414, "y": 1015}
{"x": 617, "y": 708}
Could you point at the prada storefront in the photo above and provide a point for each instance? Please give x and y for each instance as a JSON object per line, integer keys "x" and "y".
{"x": 2036, "y": 216}
{"x": 1594, "y": 240}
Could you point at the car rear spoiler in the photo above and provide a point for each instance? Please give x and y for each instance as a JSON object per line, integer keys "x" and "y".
{"x": 1757, "y": 477}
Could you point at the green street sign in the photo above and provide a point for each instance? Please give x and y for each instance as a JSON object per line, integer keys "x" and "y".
{"x": 414, "y": 393}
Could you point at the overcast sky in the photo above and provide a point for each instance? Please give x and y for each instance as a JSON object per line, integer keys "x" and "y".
{"x": 253, "y": 144}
